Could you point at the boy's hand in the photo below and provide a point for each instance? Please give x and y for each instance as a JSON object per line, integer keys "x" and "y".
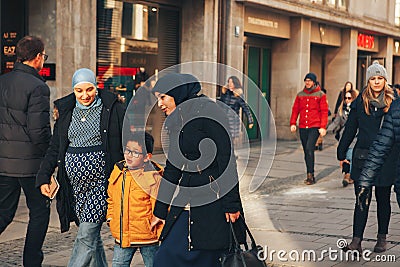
{"x": 154, "y": 221}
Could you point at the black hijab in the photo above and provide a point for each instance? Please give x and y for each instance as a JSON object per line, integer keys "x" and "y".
{"x": 180, "y": 86}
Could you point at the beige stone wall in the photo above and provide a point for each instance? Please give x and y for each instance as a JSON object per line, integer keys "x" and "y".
{"x": 341, "y": 66}
{"x": 76, "y": 40}
{"x": 291, "y": 61}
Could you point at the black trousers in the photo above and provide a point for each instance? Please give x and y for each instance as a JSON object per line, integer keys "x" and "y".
{"x": 308, "y": 137}
{"x": 39, "y": 214}
{"x": 382, "y": 195}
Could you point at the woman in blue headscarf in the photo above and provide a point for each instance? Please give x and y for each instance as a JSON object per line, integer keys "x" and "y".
{"x": 86, "y": 143}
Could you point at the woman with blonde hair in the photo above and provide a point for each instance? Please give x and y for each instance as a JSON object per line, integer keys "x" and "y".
{"x": 365, "y": 120}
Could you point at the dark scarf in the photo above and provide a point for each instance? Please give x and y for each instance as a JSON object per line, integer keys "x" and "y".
{"x": 311, "y": 88}
{"x": 379, "y": 102}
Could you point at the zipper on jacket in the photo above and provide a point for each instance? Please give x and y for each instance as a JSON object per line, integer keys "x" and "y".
{"x": 189, "y": 222}
{"x": 216, "y": 191}
{"x": 121, "y": 214}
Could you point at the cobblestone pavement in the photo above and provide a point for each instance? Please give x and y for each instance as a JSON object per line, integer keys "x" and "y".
{"x": 283, "y": 214}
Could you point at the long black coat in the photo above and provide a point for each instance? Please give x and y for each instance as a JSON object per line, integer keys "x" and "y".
{"x": 208, "y": 226}
{"x": 24, "y": 121}
{"x": 366, "y": 127}
{"x": 111, "y": 135}
{"x": 387, "y": 140}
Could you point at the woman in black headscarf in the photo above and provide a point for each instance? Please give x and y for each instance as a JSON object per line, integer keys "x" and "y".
{"x": 201, "y": 165}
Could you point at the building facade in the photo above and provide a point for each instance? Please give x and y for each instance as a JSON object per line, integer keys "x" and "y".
{"x": 274, "y": 42}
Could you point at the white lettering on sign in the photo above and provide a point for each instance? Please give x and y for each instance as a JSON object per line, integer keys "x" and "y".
{"x": 263, "y": 22}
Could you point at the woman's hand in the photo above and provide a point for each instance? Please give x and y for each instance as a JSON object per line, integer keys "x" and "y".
{"x": 232, "y": 216}
{"x": 293, "y": 128}
{"x": 45, "y": 190}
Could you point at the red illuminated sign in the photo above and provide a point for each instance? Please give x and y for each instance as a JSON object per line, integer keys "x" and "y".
{"x": 365, "y": 41}
{"x": 48, "y": 72}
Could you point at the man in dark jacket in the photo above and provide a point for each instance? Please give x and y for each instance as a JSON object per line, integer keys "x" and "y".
{"x": 24, "y": 138}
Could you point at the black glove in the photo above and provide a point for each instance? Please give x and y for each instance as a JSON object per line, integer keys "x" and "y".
{"x": 337, "y": 136}
{"x": 363, "y": 197}
{"x": 345, "y": 167}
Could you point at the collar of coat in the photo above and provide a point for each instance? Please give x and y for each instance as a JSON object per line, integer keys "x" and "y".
{"x": 151, "y": 169}
{"x": 18, "y": 66}
{"x": 317, "y": 88}
{"x": 68, "y": 102}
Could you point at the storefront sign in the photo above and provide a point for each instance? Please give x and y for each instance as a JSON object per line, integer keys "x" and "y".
{"x": 266, "y": 23}
{"x": 48, "y": 72}
{"x": 263, "y": 22}
{"x": 12, "y": 29}
{"x": 365, "y": 41}
{"x": 8, "y": 55}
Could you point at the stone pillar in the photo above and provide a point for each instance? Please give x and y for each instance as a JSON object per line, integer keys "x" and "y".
{"x": 234, "y": 49}
{"x": 200, "y": 35}
{"x": 291, "y": 62}
{"x": 386, "y": 45}
{"x": 76, "y": 40}
{"x": 341, "y": 66}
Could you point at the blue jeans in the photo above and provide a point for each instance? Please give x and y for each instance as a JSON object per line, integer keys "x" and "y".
{"x": 349, "y": 155}
{"x": 123, "y": 256}
{"x": 88, "y": 248}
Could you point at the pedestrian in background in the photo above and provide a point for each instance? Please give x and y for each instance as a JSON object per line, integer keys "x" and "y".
{"x": 348, "y": 87}
{"x": 337, "y": 127}
{"x": 132, "y": 192}
{"x": 311, "y": 105}
{"x": 196, "y": 229}
{"x": 232, "y": 96}
{"x": 24, "y": 138}
{"x": 365, "y": 119}
{"x": 85, "y": 146}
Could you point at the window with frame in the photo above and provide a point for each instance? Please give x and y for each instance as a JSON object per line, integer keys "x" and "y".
{"x": 397, "y": 13}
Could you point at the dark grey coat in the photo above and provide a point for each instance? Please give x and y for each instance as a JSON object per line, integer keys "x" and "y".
{"x": 208, "y": 228}
{"x": 366, "y": 127}
{"x": 24, "y": 121}
{"x": 386, "y": 142}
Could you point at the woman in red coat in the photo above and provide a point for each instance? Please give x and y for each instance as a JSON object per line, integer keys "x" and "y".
{"x": 311, "y": 105}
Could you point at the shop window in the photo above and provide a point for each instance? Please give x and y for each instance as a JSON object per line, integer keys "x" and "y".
{"x": 397, "y": 13}
{"x": 139, "y": 22}
{"x": 131, "y": 36}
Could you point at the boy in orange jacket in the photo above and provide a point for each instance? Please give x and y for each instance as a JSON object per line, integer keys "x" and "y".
{"x": 132, "y": 192}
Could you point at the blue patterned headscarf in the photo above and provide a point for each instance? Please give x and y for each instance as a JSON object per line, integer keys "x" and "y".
{"x": 85, "y": 76}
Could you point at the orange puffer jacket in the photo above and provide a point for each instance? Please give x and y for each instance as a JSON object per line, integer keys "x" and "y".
{"x": 131, "y": 199}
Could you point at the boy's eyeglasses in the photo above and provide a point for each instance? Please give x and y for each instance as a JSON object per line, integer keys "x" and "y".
{"x": 132, "y": 153}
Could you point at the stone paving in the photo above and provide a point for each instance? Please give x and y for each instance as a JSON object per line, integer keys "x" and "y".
{"x": 287, "y": 218}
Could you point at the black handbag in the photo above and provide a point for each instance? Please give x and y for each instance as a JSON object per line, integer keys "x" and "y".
{"x": 237, "y": 257}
